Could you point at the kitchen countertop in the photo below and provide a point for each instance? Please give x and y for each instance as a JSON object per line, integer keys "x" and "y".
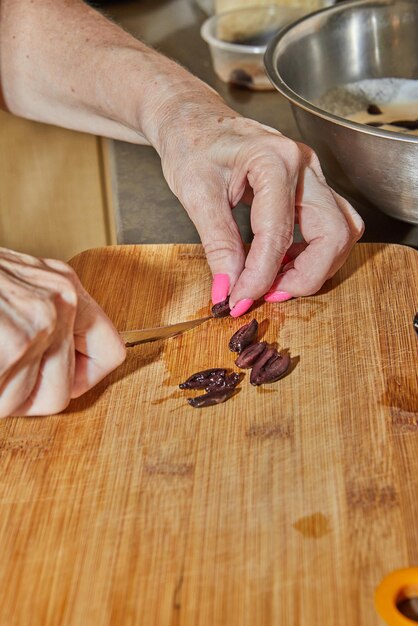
{"x": 147, "y": 211}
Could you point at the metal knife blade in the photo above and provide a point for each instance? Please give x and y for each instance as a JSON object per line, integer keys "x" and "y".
{"x": 134, "y": 337}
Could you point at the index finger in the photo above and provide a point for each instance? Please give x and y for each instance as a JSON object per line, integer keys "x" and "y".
{"x": 272, "y": 220}
{"x": 330, "y": 227}
{"x": 99, "y": 347}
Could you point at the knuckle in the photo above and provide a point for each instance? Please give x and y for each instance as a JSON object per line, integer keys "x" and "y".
{"x": 68, "y": 293}
{"x": 359, "y": 227}
{"x": 44, "y": 315}
{"x": 194, "y": 187}
{"x": 121, "y": 356}
{"x": 17, "y": 343}
{"x": 218, "y": 248}
{"x": 344, "y": 241}
{"x": 281, "y": 240}
{"x": 115, "y": 354}
{"x": 309, "y": 155}
{"x": 310, "y": 288}
{"x": 53, "y": 406}
{"x": 292, "y": 151}
{"x": 63, "y": 280}
{"x": 314, "y": 161}
{"x": 278, "y": 154}
{"x": 277, "y": 240}
{"x": 221, "y": 251}
{"x": 284, "y": 166}
{"x": 307, "y": 285}
{"x": 59, "y": 266}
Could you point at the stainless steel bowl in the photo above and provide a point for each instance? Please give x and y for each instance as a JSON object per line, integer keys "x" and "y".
{"x": 353, "y": 41}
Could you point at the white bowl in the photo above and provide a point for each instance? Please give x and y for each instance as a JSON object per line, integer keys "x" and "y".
{"x": 238, "y": 41}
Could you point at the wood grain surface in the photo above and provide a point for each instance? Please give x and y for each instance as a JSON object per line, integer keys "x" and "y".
{"x": 55, "y": 195}
{"x": 284, "y": 506}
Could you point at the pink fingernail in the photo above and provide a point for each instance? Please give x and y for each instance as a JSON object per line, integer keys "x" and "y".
{"x": 241, "y": 307}
{"x": 277, "y": 296}
{"x": 220, "y": 288}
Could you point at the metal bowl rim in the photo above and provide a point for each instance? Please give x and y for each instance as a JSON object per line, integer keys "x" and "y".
{"x": 308, "y": 106}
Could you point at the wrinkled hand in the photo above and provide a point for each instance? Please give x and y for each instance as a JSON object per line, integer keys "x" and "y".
{"x": 220, "y": 158}
{"x": 55, "y": 341}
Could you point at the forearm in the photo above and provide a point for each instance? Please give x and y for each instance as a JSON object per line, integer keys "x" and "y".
{"x": 64, "y": 63}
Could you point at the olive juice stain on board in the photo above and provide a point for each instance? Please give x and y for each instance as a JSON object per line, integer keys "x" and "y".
{"x": 313, "y": 526}
{"x": 271, "y": 430}
{"x": 402, "y": 401}
{"x": 303, "y": 309}
{"x": 33, "y": 447}
{"x": 165, "y": 468}
{"x": 371, "y": 497}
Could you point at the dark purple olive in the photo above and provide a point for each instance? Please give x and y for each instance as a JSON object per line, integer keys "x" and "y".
{"x": 270, "y": 367}
{"x": 230, "y": 381}
{"x": 212, "y": 397}
{"x": 260, "y": 363}
{"x": 216, "y": 381}
{"x": 250, "y": 355}
{"x": 201, "y": 380}
{"x": 243, "y": 337}
{"x": 221, "y": 309}
{"x": 416, "y": 322}
{"x": 373, "y": 109}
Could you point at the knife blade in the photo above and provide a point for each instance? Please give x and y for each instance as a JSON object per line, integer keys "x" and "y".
{"x": 143, "y": 335}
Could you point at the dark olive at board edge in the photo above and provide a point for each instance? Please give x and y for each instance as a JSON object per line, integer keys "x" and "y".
{"x": 221, "y": 309}
{"x": 244, "y": 336}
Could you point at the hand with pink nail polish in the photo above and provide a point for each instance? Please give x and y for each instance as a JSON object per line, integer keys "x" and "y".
{"x": 237, "y": 159}
{"x": 67, "y": 64}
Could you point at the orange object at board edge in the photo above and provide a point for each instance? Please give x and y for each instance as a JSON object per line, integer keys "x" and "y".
{"x": 397, "y": 585}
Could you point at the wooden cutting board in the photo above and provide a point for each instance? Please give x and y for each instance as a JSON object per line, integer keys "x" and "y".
{"x": 284, "y": 506}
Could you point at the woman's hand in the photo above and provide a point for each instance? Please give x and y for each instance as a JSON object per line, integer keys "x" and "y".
{"x": 212, "y": 160}
{"x": 55, "y": 340}
{"x": 64, "y": 63}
